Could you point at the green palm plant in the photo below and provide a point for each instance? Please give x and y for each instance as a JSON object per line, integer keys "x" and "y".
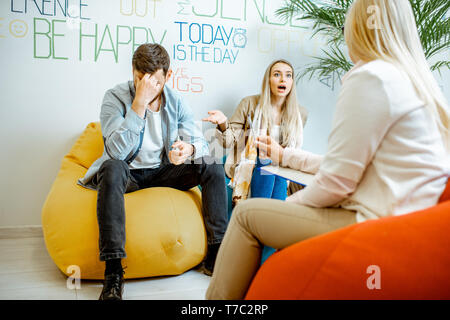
{"x": 327, "y": 18}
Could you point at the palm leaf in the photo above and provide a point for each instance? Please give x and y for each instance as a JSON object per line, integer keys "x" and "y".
{"x": 327, "y": 18}
{"x": 333, "y": 63}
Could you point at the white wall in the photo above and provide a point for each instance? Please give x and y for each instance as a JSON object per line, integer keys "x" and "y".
{"x": 46, "y": 102}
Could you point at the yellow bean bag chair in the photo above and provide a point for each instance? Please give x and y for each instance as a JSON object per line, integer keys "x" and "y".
{"x": 165, "y": 234}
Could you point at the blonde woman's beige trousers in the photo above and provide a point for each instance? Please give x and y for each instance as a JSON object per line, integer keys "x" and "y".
{"x": 274, "y": 223}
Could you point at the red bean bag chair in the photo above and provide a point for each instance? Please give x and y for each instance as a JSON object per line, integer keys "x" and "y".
{"x": 399, "y": 257}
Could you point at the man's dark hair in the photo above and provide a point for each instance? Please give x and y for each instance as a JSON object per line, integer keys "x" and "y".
{"x": 150, "y": 57}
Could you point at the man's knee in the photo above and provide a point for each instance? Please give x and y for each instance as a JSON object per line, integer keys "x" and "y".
{"x": 113, "y": 171}
{"x": 213, "y": 167}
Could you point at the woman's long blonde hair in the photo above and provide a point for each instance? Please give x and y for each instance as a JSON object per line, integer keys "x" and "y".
{"x": 386, "y": 30}
{"x": 291, "y": 124}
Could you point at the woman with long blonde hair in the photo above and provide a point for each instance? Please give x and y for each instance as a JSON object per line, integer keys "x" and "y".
{"x": 275, "y": 113}
{"x": 387, "y": 150}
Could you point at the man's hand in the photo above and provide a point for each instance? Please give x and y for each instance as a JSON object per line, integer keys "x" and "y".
{"x": 217, "y": 117}
{"x": 270, "y": 148}
{"x": 146, "y": 90}
{"x": 180, "y": 152}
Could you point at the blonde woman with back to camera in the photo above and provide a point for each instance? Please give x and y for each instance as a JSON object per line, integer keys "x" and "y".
{"x": 387, "y": 150}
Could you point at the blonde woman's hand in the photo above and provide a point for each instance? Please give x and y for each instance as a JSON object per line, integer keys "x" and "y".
{"x": 270, "y": 148}
{"x": 217, "y": 117}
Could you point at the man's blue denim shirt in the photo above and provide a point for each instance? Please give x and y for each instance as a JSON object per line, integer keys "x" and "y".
{"x": 123, "y": 129}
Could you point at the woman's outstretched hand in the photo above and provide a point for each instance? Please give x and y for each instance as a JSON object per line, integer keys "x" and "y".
{"x": 270, "y": 148}
{"x": 217, "y": 117}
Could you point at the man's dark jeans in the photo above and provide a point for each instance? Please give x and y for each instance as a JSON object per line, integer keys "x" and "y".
{"x": 114, "y": 179}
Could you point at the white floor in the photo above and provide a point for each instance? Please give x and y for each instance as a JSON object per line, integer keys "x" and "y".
{"x": 27, "y": 272}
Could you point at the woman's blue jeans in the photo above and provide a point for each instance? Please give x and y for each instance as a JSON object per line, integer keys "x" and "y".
{"x": 265, "y": 185}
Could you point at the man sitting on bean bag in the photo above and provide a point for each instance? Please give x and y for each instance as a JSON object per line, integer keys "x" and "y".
{"x": 142, "y": 122}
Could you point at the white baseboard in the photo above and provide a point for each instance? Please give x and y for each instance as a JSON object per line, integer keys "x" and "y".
{"x": 16, "y": 232}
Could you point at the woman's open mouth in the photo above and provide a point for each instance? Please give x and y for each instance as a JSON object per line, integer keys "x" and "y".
{"x": 281, "y": 88}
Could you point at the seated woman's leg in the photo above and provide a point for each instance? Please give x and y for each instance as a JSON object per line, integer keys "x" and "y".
{"x": 279, "y": 189}
{"x": 261, "y": 185}
{"x": 279, "y": 193}
{"x": 267, "y": 186}
{"x": 273, "y": 223}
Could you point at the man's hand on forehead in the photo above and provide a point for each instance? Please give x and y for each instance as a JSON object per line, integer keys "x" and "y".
{"x": 148, "y": 89}
{"x": 153, "y": 78}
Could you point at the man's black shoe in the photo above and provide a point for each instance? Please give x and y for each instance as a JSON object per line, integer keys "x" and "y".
{"x": 210, "y": 260}
{"x": 112, "y": 286}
